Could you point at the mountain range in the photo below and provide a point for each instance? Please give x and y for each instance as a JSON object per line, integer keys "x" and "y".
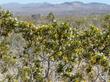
{"x": 62, "y": 9}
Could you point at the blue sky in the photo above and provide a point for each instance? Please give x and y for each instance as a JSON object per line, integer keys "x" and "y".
{"x": 51, "y": 1}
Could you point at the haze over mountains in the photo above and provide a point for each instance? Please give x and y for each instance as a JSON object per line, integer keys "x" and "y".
{"x": 63, "y": 9}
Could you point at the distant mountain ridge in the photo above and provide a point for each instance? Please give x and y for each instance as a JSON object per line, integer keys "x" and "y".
{"x": 62, "y": 9}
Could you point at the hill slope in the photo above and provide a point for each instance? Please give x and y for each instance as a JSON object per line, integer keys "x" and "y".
{"x": 63, "y": 9}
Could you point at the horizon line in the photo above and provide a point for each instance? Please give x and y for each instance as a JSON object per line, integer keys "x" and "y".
{"x": 54, "y": 3}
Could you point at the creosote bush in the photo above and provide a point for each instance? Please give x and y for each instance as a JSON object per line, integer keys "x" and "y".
{"x": 52, "y": 51}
